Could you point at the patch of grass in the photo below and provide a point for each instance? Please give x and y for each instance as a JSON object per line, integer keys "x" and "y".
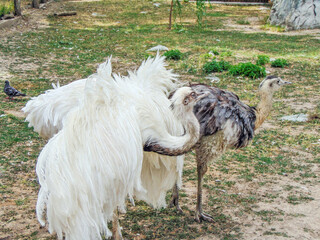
{"x": 273, "y": 232}
{"x": 243, "y": 22}
{"x": 173, "y": 54}
{"x": 273, "y": 28}
{"x": 294, "y": 199}
{"x": 217, "y": 14}
{"x": 21, "y": 202}
{"x": 269, "y": 215}
{"x": 247, "y": 70}
{"x": 279, "y": 63}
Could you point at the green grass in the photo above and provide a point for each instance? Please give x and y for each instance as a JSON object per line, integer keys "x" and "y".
{"x": 243, "y": 22}
{"x": 71, "y": 47}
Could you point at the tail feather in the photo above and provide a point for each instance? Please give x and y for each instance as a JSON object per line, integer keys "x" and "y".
{"x": 95, "y": 160}
{"x": 56, "y": 86}
{"x": 41, "y": 205}
{"x": 47, "y": 112}
{"x": 153, "y": 76}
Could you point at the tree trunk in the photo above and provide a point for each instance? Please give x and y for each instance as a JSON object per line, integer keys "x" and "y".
{"x": 170, "y": 15}
{"x": 36, "y": 3}
{"x": 17, "y": 7}
{"x": 295, "y": 14}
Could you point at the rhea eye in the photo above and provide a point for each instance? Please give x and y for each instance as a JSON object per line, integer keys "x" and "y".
{"x": 193, "y": 94}
{"x": 278, "y": 81}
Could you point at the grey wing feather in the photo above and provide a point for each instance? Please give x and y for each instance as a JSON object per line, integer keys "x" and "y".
{"x": 220, "y": 107}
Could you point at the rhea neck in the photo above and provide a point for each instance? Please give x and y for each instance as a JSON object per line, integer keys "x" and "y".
{"x": 178, "y": 145}
{"x": 264, "y": 107}
{"x": 192, "y": 128}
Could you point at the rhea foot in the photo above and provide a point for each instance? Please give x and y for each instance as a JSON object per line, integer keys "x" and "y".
{"x": 175, "y": 199}
{"x": 175, "y": 202}
{"x": 201, "y": 216}
{"x": 116, "y": 229}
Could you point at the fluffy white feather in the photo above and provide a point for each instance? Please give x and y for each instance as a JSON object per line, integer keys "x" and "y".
{"x": 95, "y": 160}
{"x": 46, "y": 112}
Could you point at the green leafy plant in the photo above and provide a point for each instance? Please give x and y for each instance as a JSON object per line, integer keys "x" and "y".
{"x": 215, "y": 52}
{"x": 176, "y": 10}
{"x": 221, "y": 52}
{"x": 262, "y": 60}
{"x": 6, "y": 8}
{"x": 174, "y": 54}
{"x": 215, "y": 66}
{"x": 248, "y": 70}
{"x": 280, "y": 63}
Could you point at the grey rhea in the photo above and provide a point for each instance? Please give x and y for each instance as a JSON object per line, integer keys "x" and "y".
{"x": 225, "y": 122}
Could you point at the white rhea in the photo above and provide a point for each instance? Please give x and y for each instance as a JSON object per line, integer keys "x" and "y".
{"x": 94, "y": 158}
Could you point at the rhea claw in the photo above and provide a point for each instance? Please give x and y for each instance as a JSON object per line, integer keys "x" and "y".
{"x": 201, "y": 216}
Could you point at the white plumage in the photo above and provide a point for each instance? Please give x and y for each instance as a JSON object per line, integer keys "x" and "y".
{"x": 96, "y": 160}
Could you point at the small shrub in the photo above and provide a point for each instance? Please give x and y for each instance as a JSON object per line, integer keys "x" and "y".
{"x": 188, "y": 68}
{"x": 206, "y": 57}
{"x": 262, "y": 60}
{"x": 280, "y": 63}
{"x": 6, "y": 8}
{"x": 224, "y": 65}
{"x": 248, "y": 70}
{"x": 221, "y": 52}
{"x": 173, "y": 54}
{"x": 215, "y": 52}
{"x": 212, "y": 66}
{"x": 215, "y": 66}
{"x": 226, "y": 54}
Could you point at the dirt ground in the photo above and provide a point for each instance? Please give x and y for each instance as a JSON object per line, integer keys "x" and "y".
{"x": 299, "y": 221}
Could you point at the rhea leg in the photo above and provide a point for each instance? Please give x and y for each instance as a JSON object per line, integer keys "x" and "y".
{"x": 116, "y": 230}
{"x": 175, "y": 198}
{"x": 200, "y": 215}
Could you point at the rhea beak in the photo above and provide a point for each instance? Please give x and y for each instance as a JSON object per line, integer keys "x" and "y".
{"x": 284, "y": 82}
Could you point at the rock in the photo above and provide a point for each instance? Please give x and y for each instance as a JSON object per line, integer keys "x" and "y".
{"x": 295, "y": 14}
{"x": 158, "y": 48}
{"x": 212, "y": 78}
{"x": 296, "y": 118}
{"x": 98, "y": 15}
